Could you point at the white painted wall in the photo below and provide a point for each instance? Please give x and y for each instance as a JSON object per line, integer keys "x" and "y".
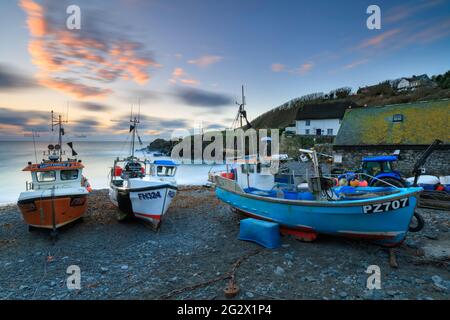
{"x": 403, "y": 84}
{"x": 322, "y": 124}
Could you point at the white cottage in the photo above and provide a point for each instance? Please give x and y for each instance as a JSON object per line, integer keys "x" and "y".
{"x": 322, "y": 119}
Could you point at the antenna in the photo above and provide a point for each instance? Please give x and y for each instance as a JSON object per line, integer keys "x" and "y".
{"x": 241, "y": 114}
{"x": 34, "y": 133}
{"x": 139, "y": 110}
{"x": 67, "y": 112}
{"x": 58, "y": 122}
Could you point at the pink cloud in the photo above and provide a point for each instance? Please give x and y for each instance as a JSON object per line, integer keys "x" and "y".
{"x": 402, "y": 12}
{"x": 278, "y": 67}
{"x": 180, "y": 76}
{"x": 72, "y": 56}
{"x": 303, "y": 69}
{"x": 379, "y": 40}
{"x": 191, "y": 82}
{"x": 354, "y": 64}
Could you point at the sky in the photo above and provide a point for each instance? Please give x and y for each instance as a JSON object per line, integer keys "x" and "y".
{"x": 184, "y": 61}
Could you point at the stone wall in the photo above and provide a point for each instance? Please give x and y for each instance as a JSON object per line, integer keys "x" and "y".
{"x": 438, "y": 163}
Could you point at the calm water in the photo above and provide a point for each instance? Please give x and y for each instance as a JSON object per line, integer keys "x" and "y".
{"x": 97, "y": 157}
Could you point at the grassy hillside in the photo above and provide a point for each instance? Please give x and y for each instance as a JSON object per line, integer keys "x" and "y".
{"x": 381, "y": 94}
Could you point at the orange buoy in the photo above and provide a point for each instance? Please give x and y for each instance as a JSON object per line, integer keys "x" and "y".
{"x": 354, "y": 183}
{"x": 363, "y": 183}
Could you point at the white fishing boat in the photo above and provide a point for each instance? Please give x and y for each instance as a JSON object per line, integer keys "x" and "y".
{"x": 141, "y": 188}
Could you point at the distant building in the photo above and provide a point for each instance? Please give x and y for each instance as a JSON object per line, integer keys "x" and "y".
{"x": 409, "y": 127}
{"x": 323, "y": 119}
{"x": 414, "y": 82}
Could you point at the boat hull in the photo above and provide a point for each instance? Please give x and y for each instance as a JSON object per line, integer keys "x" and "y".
{"x": 38, "y": 212}
{"x": 340, "y": 218}
{"x": 148, "y": 203}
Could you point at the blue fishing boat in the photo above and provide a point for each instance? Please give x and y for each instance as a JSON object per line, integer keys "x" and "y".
{"x": 380, "y": 214}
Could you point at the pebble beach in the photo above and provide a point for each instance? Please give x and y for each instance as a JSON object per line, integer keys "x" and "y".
{"x": 197, "y": 251}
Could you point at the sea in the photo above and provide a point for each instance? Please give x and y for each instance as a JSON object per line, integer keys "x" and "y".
{"x": 97, "y": 158}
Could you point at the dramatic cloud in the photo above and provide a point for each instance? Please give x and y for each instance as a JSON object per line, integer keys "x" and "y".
{"x": 80, "y": 62}
{"x": 205, "y": 61}
{"x": 11, "y": 80}
{"x": 18, "y": 121}
{"x": 201, "y": 98}
{"x": 150, "y": 124}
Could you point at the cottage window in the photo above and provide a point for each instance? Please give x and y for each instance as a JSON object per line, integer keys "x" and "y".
{"x": 307, "y": 123}
{"x": 330, "y": 132}
{"x": 397, "y": 118}
{"x": 306, "y": 131}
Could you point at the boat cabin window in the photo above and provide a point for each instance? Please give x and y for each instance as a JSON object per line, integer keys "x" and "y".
{"x": 164, "y": 171}
{"x": 133, "y": 167}
{"x": 45, "y": 176}
{"x": 69, "y": 175}
{"x": 247, "y": 168}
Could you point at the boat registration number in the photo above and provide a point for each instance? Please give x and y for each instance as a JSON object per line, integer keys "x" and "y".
{"x": 386, "y": 206}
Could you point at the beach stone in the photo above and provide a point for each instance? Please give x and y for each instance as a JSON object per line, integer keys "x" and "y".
{"x": 124, "y": 267}
{"x": 420, "y": 281}
{"x": 343, "y": 294}
{"x": 104, "y": 269}
{"x": 438, "y": 251}
{"x": 439, "y": 283}
{"x": 249, "y": 294}
{"x": 279, "y": 271}
{"x": 391, "y": 293}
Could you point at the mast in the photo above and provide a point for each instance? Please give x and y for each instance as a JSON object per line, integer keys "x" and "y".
{"x": 133, "y": 127}
{"x": 58, "y": 122}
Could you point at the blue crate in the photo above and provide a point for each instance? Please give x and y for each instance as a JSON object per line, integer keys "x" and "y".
{"x": 264, "y": 233}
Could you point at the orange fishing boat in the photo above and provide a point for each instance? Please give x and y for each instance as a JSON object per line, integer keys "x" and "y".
{"x": 58, "y": 192}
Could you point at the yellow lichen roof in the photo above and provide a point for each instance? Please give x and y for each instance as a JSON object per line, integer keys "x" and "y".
{"x": 423, "y": 122}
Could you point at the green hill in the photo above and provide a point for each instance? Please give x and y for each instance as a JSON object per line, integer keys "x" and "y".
{"x": 377, "y": 95}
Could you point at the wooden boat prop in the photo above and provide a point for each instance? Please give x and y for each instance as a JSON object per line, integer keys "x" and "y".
{"x": 58, "y": 192}
{"x": 141, "y": 188}
{"x": 380, "y": 214}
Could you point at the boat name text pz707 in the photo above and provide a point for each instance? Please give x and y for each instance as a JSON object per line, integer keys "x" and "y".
{"x": 149, "y": 195}
{"x": 386, "y": 206}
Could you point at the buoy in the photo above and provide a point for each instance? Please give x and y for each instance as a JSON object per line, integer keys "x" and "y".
{"x": 335, "y": 181}
{"x": 354, "y": 183}
{"x": 363, "y": 183}
{"x": 343, "y": 182}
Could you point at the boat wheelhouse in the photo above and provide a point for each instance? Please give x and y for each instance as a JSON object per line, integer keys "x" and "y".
{"x": 57, "y": 193}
